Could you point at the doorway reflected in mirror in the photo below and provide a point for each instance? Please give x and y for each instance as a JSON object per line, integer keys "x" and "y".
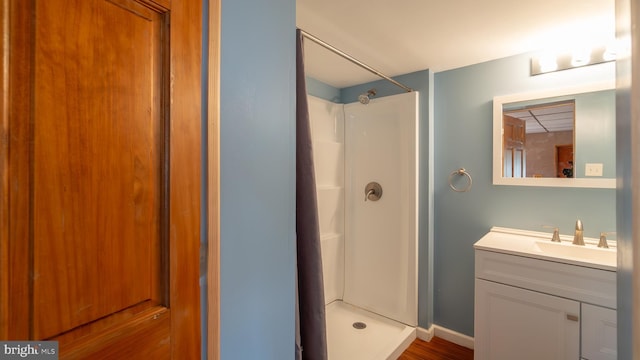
{"x": 538, "y": 140}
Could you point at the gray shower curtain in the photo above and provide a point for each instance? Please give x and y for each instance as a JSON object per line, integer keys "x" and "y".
{"x": 311, "y": 335}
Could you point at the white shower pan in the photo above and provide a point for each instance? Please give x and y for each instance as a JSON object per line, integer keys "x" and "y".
{"x": 381, "y": 339}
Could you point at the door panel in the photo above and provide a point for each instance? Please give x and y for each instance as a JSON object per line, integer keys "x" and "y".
{"x": 564, "y": 161}
{"x": 97, "y": 161}
{"x": 513, "y": 150}
{"x": 101, "y": 247}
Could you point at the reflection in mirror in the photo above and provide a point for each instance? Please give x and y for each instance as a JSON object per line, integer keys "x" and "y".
{"x": 562, "y": 137}
{"x": 538, "y": 140}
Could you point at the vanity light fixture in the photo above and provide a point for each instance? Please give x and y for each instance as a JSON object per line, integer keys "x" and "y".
{"x": 548, "y": 62}
{"x": 610, "y": 53}
{"x": 580, "y": 57}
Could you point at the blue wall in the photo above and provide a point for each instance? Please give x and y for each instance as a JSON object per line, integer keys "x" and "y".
{"x": 463, "y": 138}
{"x": 596, "y": 117}
{"x": 257, "y": 216}
{"x": 323, "y": 91}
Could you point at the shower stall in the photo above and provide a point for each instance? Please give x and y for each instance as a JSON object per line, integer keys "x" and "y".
{"x": 366, "y": 164}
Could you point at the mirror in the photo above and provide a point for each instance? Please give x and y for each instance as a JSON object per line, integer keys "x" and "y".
{"x": 561, "y": 138}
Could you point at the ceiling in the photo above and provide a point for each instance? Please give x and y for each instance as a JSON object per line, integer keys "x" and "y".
{"x": 402, "y": 36}
{"x": 546, "y": 118}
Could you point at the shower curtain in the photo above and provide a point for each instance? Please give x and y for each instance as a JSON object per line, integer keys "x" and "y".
{"x": 311, "y": 337}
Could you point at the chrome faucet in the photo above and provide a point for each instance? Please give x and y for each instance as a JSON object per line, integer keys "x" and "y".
{"x": 578, "y": 239}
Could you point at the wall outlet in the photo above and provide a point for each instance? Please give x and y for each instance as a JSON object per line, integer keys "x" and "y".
{"x": 593, "y": 169}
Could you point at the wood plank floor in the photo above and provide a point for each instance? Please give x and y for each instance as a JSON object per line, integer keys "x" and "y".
{"x": 436, "y": 349}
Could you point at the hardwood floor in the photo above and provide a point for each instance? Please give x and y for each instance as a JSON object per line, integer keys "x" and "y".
{"x": 436, "y": 349}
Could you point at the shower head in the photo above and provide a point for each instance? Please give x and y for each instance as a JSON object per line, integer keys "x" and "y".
{"x": 366, "y": 97}
{"x": 363, "y": 98}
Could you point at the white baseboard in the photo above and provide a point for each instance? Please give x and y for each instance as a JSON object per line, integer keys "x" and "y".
{"x": 404, "y": 345}
{"x": 424, "y": 334}
{"x": 444, "y": 333}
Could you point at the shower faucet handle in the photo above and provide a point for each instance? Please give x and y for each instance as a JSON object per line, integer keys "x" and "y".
{"x": 369, "y": 193}
{"x": 373, "y": 191}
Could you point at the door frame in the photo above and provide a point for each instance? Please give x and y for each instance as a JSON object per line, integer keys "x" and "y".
{"x": 213, "y": 184}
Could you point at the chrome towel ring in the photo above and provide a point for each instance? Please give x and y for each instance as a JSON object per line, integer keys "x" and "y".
{"x": 460, "y": 172}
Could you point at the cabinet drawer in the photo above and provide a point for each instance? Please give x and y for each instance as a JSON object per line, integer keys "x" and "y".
{"x": 594, "y": 286}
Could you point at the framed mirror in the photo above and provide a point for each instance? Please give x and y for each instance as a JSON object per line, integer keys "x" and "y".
{"x": 559, "y": 138}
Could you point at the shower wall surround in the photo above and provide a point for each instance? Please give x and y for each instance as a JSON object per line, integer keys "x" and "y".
{"x": 369, "y": 248}
{"x": 381, "y": 242}
{"x": 422, "y": 82}
{"x": 327, "y": 133}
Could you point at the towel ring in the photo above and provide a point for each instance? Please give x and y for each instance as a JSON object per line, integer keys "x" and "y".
{"x": 460, "y": 172}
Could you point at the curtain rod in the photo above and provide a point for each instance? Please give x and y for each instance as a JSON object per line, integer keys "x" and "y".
{"x": 352, "y": 59}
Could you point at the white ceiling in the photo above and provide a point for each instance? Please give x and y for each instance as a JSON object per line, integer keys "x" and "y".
{"x": 550, "y": 117}
{"x": 401, "y": 36}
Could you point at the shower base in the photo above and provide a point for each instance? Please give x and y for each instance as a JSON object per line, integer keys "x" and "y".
{"x": 381, "y": 339}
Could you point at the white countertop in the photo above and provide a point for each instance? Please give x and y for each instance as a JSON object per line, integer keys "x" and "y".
{"x": 538, "y": 245}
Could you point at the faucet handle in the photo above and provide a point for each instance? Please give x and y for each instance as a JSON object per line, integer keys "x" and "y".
{"x": 603, "y": 239}
{"x": 556, "y": 233}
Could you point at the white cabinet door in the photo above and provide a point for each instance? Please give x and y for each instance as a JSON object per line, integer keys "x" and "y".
{"x": 513, "y": 323}
{"x": 599, "y": 333}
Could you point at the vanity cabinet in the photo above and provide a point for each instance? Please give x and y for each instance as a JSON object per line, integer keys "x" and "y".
{"x": 514, "y": 323}
{"x": 529, "y": 308}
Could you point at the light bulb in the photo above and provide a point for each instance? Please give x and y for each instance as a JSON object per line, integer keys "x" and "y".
{"x": 581, "y": 57}
{"x": 548, "y": 62}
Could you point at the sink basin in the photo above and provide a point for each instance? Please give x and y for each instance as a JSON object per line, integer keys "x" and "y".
{"x": 539, "y": 245}
{"x": 588, "y": 253}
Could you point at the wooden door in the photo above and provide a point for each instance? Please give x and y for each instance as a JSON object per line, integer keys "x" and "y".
{"x": 100, "y": 208}
{"x": 564, "y": 161}
{"x": 513, "y": 151}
